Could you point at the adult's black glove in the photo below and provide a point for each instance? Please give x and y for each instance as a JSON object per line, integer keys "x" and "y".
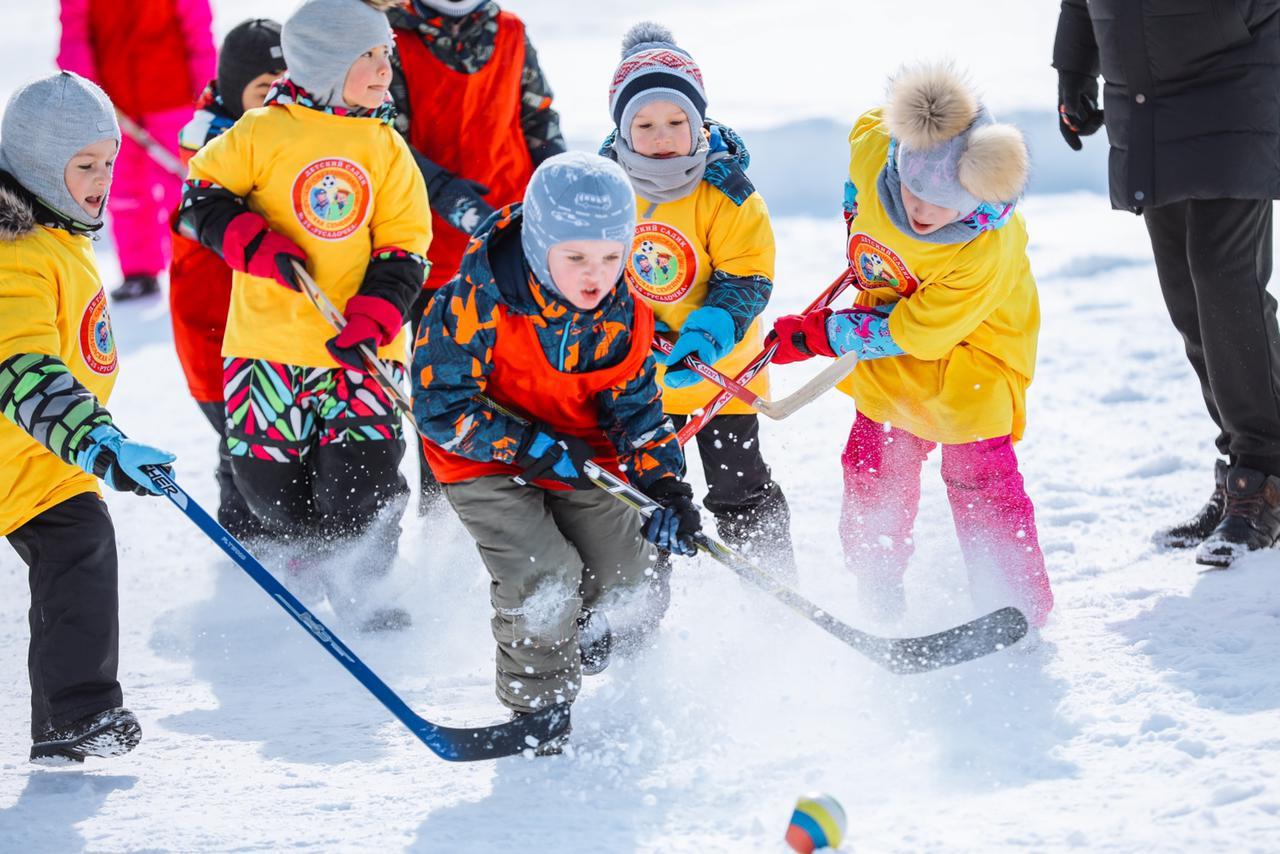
{"x": 1078, "y": 111}
{"x": 671, "y": 528}
{"x": 547, "y": 454}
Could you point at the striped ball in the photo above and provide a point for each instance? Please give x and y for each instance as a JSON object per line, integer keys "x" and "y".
{"x": 817, "y": 822}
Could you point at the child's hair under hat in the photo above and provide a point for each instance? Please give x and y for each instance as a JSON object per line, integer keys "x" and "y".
{"x": 951, "y": 152}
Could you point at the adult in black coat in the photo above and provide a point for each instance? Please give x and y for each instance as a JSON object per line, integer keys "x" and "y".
{"x": 1192, "y": 109}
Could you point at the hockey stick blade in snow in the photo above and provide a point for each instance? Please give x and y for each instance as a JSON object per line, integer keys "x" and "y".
{"x": 973, "y": 639}
{"x": 778, "y": 409}
{"x": 456, "y": 744}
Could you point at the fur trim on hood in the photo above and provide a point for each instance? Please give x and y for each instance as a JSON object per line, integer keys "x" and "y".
{"x": 17, "y": 211}
{"x": 928, "y": 105}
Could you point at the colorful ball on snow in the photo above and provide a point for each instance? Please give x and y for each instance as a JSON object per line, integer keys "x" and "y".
{"x": 817, "y": 822}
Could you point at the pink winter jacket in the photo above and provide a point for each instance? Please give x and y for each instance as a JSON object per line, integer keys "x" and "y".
{"x": 157, "y": 56}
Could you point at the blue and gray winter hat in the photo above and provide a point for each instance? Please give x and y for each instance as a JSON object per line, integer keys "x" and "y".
{"x": 324, "y": 37}
{"x": 45, "y": 124}
{"x": 575, "y": 196}
{"x": 655, "y": 68}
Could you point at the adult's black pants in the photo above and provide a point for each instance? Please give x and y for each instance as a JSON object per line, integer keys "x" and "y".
{"x": 1213, "y": 257}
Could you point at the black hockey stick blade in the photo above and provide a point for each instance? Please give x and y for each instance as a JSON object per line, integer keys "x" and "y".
{"x": 996, "y": 631}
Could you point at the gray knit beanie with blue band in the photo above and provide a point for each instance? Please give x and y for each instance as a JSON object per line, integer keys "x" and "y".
{"x": 45, "y": 124}
{"x": 654, "y": 68}
{"x": 324, "y": 37}
{"x": 575, "y": 196}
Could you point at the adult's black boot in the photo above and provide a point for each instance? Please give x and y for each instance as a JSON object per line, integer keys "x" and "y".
{"x": 1251, "y": 520}
{"x": 1193, "y": 531}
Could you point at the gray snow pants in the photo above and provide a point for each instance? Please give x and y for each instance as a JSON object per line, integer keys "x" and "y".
{"x": 551, "y": 555}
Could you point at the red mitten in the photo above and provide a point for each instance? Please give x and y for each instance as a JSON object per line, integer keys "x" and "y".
{"x": 250, "y": 246}
{"x": 802, "y": 336}
{"x": 371, "y": 321}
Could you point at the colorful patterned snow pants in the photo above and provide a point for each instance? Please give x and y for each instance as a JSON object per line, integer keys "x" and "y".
{"x": 316, "y": 451}
{"x": 993, "y": 515}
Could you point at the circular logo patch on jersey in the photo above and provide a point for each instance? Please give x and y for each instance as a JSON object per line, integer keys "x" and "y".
{"x": 331, "y": 198}
{"x": 877, "y": 266}
{"x": 663, "y": 264}
{"x": 97, "y": 344}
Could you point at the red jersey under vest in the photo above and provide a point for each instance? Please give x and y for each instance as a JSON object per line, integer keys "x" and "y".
{"x": 470, "y": 125}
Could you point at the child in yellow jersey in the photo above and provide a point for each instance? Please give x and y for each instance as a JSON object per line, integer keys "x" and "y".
{"x": 318, "y": 175}
{"x": 946, "y": 326}
{"x": 58, "y": 144}
{"x": 702, "y": 258}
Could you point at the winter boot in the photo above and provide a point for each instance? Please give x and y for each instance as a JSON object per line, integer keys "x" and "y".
{"x": 761, "y": 530}
{"x": 111, "y": 733}
{"x": 553, "y": 746}
{"x": 135, "y": 287}
{"x": 386, "y": 620}
{"x": 1251, "y": 520}
{"x": 1193, "y": 531}
{"x": 595, "y": 642}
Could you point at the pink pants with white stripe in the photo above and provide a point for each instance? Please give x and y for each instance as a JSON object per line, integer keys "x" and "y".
{"x": 993, "y": 515}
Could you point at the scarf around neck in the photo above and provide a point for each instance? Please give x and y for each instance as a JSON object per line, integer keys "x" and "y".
{"x": 664, "y": 179}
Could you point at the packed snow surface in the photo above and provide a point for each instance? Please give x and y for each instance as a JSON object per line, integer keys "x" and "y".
{"x": 1148, "y": 718}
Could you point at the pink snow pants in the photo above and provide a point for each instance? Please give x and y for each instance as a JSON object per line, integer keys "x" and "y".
{"x": 143, "y": 195}
{"x": 993, "y": 515}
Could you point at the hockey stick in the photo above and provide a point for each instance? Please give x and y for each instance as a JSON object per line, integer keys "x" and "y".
{"x": 163, "y": 157}
{"x": 699, "y": 420}
{"x": 974, "y": 639}
{"x": 778, "y": 409}
{"x": 456, "y": 744}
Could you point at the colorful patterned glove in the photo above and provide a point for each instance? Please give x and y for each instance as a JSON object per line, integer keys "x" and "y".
{"x": 551, "y": 455}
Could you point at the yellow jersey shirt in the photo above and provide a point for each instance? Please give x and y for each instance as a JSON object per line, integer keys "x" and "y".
{"x": 967, "y": 317}
{"x": 678, "y": 245}
{"x": 52, "y": 304}
{"x": 342, "y": 188}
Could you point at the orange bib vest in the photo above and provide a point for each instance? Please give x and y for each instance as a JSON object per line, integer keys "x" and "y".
{"x": 525, "y": 382}
{"x": 470, "y": 125}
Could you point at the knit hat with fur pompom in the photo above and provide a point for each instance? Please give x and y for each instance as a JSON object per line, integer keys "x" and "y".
{"x": 654, "y": 68}
{"x": 951, "y": 152}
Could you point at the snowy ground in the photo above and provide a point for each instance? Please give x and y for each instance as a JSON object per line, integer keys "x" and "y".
{"x": 1148, "y": 720}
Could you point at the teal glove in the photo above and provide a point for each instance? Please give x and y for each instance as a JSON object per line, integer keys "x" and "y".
{"x": 708, "y": 334}
{"x": 119, "y": 461}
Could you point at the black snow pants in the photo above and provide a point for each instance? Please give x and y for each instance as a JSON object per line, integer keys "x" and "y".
{"x": 233, "y": 513}
{"x": 70, "y": 553}
{"x": 1213, "y": 258}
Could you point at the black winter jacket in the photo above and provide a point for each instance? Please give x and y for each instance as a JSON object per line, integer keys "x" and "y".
{"x": 1192, "y": 94}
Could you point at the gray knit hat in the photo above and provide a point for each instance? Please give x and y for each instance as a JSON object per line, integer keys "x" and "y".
{"x": 45, "y": 124}
{"x": 653, "y": 68}
{"x": 324, "y": 37}
{"x": 575, "y": 196}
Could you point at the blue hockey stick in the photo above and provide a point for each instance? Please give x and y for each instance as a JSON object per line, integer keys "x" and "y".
{"x": 456, "y": 744}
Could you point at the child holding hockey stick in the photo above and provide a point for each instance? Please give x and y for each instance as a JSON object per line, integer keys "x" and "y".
{"x": 475, "y": 108}
{"x": 199, "y": 280}
{"x": 58, "y": 143}
{"x": 702, "y": 259}
{"x": 315, "y": 443}
{"x": 945, "y": 327}
{"x": 540, "y": 321}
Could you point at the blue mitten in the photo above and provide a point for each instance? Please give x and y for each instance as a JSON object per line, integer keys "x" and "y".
{"x": 708, "y": 334}
{"x": 864, "y": 331}
{"x": 118, "y": 461}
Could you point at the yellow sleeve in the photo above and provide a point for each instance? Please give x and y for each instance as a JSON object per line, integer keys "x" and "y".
{"x": 740, "y": 241}
{"x": 401, "y": 212}
{"x": 228, "y": 160}
{"x": 932, "y": 321}
{"x": 868, "y": 147}
{"x": 28, "y": 316}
